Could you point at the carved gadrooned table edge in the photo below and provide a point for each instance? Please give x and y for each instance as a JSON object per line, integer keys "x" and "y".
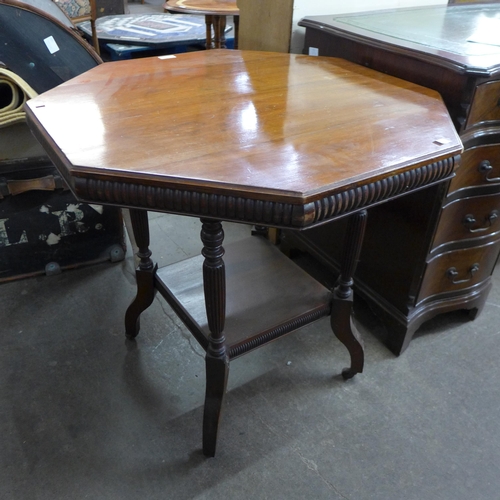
{"x": 258, "y": 211}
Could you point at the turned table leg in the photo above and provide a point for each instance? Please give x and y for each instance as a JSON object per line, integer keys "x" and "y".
{"x": 208, "y": 26}
{"x": 145, "y": 273}
{"x": 216, "y": 360}
{"x": 341, "y": 317}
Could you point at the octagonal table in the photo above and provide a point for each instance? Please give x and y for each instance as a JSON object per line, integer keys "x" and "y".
{"x": 274, "y": 140}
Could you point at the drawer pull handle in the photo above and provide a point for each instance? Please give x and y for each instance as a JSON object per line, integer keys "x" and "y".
{"x": 452, "y": 274}
{"x": 469, "y": 220}
{"x": 486, "y": 168}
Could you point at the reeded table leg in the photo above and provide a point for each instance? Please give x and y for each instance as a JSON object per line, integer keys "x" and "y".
{"x": 145, "y": 273}
{"x": 216, "y": 360}
{"x": 341, "y": 317}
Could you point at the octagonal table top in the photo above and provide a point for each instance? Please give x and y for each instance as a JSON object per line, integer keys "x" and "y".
{"x": 262, "y": 126}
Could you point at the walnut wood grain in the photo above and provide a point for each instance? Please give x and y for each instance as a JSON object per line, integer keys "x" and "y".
{"x": 306, "y": 129}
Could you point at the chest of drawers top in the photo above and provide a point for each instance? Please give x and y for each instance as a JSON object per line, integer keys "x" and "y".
{"x": 462, "y": 37}
{"x": 452, "y": 49}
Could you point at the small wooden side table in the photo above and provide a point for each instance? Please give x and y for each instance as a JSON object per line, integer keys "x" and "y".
{"x": 262, "y": 138}
{"x": 215, "y": 12}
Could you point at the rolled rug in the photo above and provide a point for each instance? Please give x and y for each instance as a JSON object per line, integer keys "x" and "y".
{"x": 14, "y": 92}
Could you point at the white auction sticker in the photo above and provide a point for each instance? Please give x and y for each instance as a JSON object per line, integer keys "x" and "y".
{"x": 51, "y": 44}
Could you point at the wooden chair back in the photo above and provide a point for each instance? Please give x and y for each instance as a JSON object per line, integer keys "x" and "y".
{"x": 80, "y": 11}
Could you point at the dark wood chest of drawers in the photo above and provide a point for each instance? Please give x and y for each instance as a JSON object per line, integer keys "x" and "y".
{"x": 434, "y": 251}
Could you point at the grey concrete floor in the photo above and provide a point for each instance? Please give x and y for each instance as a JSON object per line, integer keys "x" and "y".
{"x": 85, "y": 414}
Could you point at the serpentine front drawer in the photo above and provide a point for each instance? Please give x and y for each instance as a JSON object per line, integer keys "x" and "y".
{"x": 467, "y": 218}
{"x": 479, "y": 166}
{"x": 458, "y": 269}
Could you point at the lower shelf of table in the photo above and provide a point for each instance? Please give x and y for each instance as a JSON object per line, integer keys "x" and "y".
{"x": 267, "y": 295}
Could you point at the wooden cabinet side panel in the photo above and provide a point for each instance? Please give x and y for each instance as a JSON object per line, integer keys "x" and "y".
{"x": 265, "y": 25}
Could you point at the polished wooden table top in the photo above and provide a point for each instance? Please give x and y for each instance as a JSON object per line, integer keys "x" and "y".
{"x": 214, "y": 7}
{"x": 249, "y": 128}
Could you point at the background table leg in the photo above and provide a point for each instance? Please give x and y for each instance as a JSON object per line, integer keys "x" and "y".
{"x": 145, "y": 273}
{"x": 341, "y": 317}
{"x": 236, "y": 20}
{"x": 219, "y": 31}
{"x": 208, "y": 24}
